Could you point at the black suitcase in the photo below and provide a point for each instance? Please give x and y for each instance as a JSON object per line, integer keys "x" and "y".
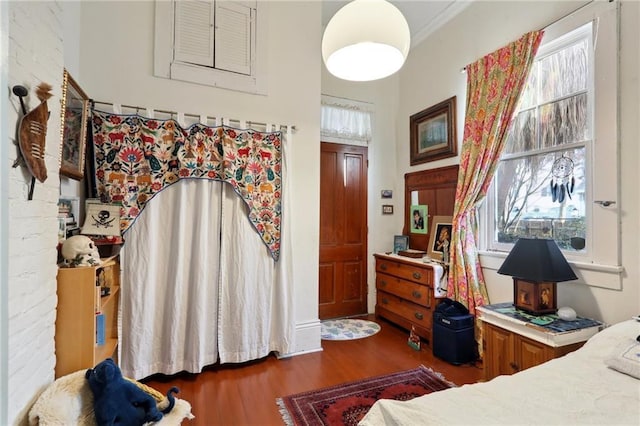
{"x": 453, "y": 333}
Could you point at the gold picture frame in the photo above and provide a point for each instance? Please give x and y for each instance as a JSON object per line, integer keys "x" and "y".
{"x": 73, "y": 128}
{"x": 437, "y": 242}
{"x": 433, "y": 133}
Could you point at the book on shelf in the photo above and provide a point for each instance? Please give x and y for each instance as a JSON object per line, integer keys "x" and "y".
{"x": 100, "y": 330}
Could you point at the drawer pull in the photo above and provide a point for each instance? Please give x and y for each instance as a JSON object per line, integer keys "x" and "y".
{"x": 385, "y": 301}
{"x": 514, "y": 366}
{"x": 417, "y": 275}
{"x": 419, "y": 316}
{"x": 383, "y": 266}
{"x": 416, "y": 294}
{"x": 383, "y": 283}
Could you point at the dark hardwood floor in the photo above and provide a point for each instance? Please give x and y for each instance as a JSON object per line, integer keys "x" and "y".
{"x": 245, "y": 394}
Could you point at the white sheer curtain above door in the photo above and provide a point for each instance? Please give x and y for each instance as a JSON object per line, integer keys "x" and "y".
{"x": 170, "y": 262}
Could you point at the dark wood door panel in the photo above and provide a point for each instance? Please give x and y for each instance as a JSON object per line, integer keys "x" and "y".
{"x": 343, "y": 230}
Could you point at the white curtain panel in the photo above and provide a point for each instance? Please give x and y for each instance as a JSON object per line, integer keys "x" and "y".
{"x": 256, "y": 293}
{"x": 199, "y": 283}
{"x": 171, "y": 265}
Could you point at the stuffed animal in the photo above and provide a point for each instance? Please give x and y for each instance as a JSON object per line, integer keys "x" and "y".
{"x": 117, "y": 401}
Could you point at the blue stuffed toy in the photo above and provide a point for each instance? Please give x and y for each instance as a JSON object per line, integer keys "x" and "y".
{"x": 117, "y": 401}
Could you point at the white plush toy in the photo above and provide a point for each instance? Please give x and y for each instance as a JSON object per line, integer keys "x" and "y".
{"x": 80, "y": 250}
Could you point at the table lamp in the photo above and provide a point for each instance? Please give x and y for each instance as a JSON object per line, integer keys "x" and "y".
{"x": 536, "y": 265}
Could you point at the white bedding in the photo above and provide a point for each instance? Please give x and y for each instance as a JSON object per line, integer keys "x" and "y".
{"x": 576, "y": 389}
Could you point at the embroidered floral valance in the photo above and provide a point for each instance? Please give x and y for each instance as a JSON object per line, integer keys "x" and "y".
{"x": 137, "y": 157}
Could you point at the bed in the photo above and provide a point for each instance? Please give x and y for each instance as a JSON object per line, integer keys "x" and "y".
{"x": 598, "y": 384}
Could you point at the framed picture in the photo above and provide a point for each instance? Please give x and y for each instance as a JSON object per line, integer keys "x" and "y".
{"x": 74, "y": 118}
{"x": 400, "y": 243}
{"x": 386, "y": 193}
{"x": 418, "y": 219}
{"x": 102, "y": 219}
{"x": 387, "y": 209}
{"x": 440, "y": 238}
{"x": 433, "y": 133}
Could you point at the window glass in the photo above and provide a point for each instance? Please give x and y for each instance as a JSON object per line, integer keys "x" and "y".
{"x": 540, "y": 186}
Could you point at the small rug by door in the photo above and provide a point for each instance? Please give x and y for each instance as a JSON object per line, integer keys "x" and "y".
{"x": 347, "y": 329}
{"x": 347, "y": 404}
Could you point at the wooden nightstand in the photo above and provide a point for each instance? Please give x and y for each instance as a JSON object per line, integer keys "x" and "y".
{"x": 512, "y": 342}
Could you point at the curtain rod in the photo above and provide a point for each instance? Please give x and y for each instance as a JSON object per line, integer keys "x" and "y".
{"x": 555, "y": 21}
{"x": 172, "y": 113}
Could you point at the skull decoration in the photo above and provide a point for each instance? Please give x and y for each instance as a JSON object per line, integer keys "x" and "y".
{"x": 80, "y": 250}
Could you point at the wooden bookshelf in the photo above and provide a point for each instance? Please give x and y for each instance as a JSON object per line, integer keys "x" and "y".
{"x": 78, "y": 304}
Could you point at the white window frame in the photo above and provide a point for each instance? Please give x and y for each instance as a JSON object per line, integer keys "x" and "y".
{"x": 165, "y": 66}
{"x": 601, "y": 265}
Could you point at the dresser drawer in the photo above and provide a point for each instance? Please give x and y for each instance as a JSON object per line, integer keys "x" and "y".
{"x": 417, "y": 273}
{"x": 416, "y": 314}
{"x": 409, "y": 290}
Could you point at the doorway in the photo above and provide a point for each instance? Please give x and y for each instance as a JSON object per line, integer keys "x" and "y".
{"x": 343, "y": 230}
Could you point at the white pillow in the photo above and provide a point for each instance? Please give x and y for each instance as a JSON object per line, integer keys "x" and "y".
{"x": 626, "y": 359}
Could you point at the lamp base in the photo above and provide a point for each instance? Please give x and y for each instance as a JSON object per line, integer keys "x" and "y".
{"x": 536, "y": 298}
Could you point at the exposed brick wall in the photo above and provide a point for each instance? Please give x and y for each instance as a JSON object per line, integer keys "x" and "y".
{"x": 35, "y": 56}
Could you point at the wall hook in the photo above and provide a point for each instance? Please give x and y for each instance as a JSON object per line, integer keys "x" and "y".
{"x": 605, "y": 203}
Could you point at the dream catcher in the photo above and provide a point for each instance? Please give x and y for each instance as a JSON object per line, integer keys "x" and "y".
{"x": 562, "y": 180}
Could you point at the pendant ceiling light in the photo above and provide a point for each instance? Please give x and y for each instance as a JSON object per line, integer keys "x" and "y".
{"x": 366, "y": 40}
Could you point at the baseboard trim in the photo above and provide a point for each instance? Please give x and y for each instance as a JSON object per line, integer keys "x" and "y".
{"x": 307, "y": 339}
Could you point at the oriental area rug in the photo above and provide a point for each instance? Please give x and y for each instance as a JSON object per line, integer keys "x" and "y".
{"x": 347, "y": 329}
{"x": 347, "y": 404}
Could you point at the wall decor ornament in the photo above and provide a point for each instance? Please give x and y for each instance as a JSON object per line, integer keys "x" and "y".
{"x": 32, "y": 134}
{"x": 433, "y": 133}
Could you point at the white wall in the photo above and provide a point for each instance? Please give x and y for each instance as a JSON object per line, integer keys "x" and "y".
{"x": 35, "y": 56}
{"x": 432, "y": 74}
{"x": 116, "y": 63}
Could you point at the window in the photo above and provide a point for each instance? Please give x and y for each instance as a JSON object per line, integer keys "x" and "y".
{"x": 345, "y": 121}
{"x": 560, "y": 156}
{"x": 539, "y": 186}
{"x": 211, "y": 42}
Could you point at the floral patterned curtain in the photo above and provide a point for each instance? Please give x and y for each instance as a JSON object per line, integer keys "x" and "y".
{"x": 494, "y": 85}
{"x": 137, "y": 157}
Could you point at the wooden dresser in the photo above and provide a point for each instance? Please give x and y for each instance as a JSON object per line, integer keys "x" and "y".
{"x": 405, "y": 292}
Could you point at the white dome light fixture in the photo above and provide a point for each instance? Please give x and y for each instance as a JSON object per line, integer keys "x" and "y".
{"x": 366, "y": 40}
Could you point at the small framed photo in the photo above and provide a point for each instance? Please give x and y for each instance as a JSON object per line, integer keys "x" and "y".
{"x": 433, "y": 133}
{"x": 418, "y": 219}
{"x": 400, "y": 243}
{"x": 440, "y": 238}
{"x": 386, "y": 193}
{"x": 387, "y": 209}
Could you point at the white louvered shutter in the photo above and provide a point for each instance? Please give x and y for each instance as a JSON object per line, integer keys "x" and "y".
{"x": 234, "y": 31}
{"x": 194, "y": 29}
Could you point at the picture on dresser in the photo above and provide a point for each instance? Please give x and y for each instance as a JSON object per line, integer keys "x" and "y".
{"x": 440, "y": 238}
{"x": 418, "y": 218}
{"x": 400, "y": 243}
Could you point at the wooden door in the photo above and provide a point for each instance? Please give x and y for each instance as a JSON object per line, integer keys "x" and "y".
{"x": 343, "y": 230}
